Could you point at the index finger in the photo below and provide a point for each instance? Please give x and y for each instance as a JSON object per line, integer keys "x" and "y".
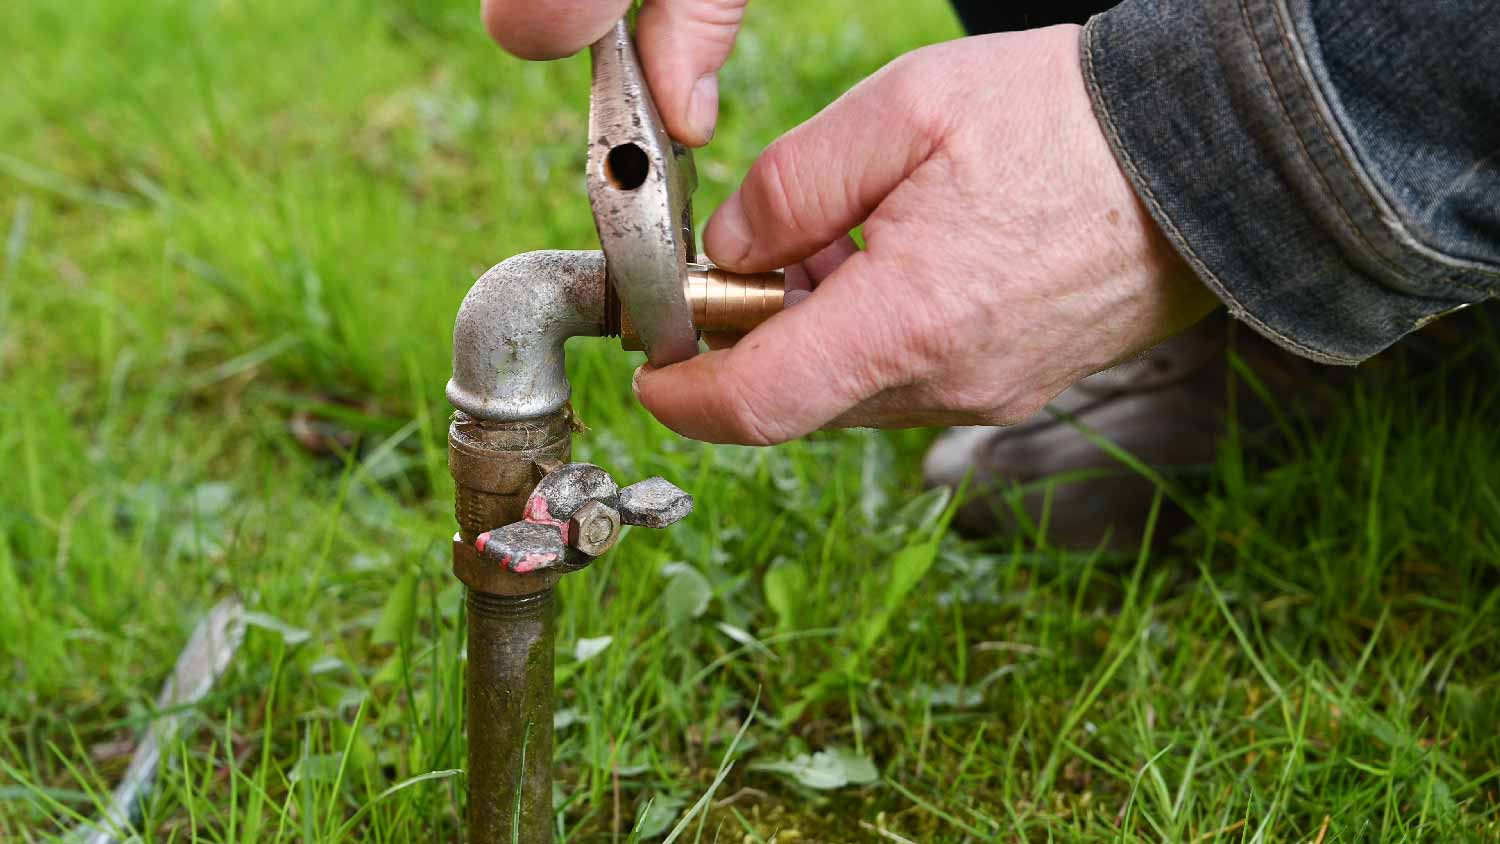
{"x": 552, "y": 29}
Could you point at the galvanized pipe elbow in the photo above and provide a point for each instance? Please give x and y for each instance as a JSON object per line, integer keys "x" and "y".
{"x": 508, "y": 361}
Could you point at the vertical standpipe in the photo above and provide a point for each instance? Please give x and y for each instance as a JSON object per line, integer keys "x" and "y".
{"x": 509, "y": 698}
{"x": 512, "y": 427}
{"x": 509, "y": 677}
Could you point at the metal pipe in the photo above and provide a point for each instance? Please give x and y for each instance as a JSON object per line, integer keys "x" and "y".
{"x": 513, "y": 427}
{"x": 508, "y": 339}
{"x": 510, "y": 386}
{"x": 509, "y": 675}
{"x": 508, "y": 693}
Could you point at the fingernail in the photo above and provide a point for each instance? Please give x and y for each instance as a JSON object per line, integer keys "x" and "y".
{"x": 703, "y": 107}
{"x": 635, "y": 381}
{"x": 794, "y": 297}
{"x": 726, "y": 238}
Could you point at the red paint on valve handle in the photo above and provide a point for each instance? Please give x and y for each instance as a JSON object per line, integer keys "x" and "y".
{"x": 538, "y": 513}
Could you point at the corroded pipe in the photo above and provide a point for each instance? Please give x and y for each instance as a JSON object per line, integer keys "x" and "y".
{"x": 513, "y": 427}
{"x": 508, "y": 679}
{"x": 508, "y": 361}
{"x": 508, "y": 693}
{"x": 508, "y": 339}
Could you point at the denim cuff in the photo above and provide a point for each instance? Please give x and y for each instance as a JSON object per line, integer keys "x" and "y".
{"x": 1216, "y": 114}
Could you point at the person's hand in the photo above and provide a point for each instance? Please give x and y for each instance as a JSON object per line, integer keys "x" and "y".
{"x": 682, "y": 43}
{"x": 1006, "y": 255}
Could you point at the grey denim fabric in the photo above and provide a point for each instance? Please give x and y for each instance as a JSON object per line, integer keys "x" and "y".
{"x": 1330, "y": 168}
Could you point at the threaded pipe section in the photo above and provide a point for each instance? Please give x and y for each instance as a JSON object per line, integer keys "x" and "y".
{"x": 508, "y": 693}
{"x": 495, "y": 607}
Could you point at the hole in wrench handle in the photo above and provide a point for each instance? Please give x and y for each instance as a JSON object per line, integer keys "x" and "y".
{"x": 627, "y": 166}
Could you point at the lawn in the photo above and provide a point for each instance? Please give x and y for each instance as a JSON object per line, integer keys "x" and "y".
{"x": 233, "y": 236}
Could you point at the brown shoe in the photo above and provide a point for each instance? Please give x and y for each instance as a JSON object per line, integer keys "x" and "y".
{"x": 1168, "y": 408}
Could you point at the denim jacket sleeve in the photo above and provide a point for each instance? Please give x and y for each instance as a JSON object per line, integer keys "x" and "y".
{"x": 1330, "y": 168}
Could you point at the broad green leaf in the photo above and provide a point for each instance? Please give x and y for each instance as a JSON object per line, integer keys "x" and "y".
{"x": 656, "y": 816}
{"x": 826, "y": 770}
{"x": 744, "y": 637}
{"x": 785, "y": 584}
{"x": 317, "y": 767}
{"x": 687, "y": 592}
{"x": 396, "y": 616}
{"x": 858, "y": 769}
{"x": 908, "y": 567}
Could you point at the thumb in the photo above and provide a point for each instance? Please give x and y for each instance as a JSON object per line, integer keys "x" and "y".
{"x": 683, "y": 43}
{"x": 793, "y": 374}
{"x": 822, "y": 179}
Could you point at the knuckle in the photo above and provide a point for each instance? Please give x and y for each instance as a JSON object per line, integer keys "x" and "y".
{"x": 910, "y": 89}
{"x": 721, "y": 14}
{"x": 781, "y": 193}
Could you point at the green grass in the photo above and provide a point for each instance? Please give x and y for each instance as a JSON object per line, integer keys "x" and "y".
{"x": 217, "y": 216}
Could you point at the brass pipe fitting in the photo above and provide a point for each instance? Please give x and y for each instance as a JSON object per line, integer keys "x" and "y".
{"x": 732, "y": 303}
{"x": 508, "y": 678}
{"x": 495, "y": 466}
{"x": 724, "y": 303}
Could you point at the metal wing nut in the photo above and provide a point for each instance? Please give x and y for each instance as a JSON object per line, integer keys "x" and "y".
{"x": 575, "y": 514}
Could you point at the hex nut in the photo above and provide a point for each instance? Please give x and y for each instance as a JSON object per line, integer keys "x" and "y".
{"x": 594, "y": 528}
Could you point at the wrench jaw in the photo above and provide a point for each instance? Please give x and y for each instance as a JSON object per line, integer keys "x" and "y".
{"x": 640, "y": 186}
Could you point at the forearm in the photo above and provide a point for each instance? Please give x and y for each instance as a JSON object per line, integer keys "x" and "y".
{"x": 1330, "y": 168}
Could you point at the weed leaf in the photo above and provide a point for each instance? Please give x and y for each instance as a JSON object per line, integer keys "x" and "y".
{"x": 825, "y": 770}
